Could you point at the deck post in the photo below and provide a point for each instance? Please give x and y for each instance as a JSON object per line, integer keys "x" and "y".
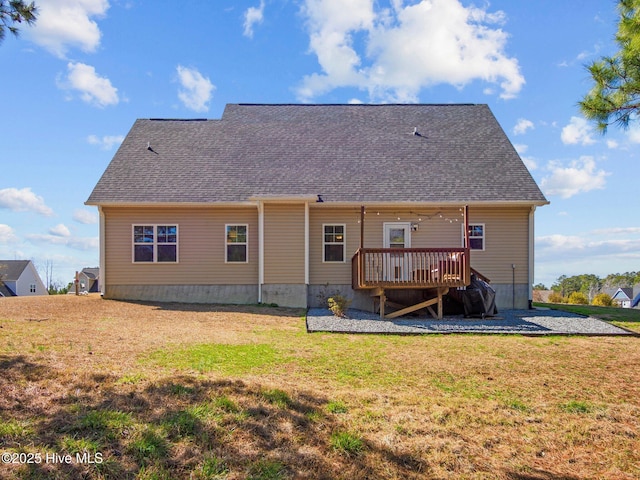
{"x": 361, "y": 226}
{"x": 466, "y": 226}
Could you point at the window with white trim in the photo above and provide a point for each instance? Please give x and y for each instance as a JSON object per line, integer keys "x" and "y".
{"x": 476, "y": 236}
{"x": 32, "y": 288}
{"x": 237, "y": 240}
{"x": 155, "y": 243}
{"x": 333, "y": 243}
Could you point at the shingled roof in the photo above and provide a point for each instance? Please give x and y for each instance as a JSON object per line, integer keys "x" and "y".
{"x": 346, "y": 153}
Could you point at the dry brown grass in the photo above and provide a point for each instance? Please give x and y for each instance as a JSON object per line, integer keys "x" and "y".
{"x": 188, "y": 391}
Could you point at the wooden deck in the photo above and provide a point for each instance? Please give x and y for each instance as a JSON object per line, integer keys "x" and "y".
{"x": 410, "y": 268}
{"x": 439, "y": 269}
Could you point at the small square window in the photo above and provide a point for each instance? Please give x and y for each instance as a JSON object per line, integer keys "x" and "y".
{"x": 333, "y": 243}
{"x": 237, "y": 237}
{"x": 476, "y": 236}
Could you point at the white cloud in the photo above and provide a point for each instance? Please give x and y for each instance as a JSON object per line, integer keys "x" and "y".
{"x": 585, "y": 245}
{"x": 580, "y": 176}
{"x": 60, "y": 230}
{"x": 521, "y": 148}
{"x": 599, "y": 251}
{"x": 107, "y": 142}
{"x": 530, "y": 163}
{"x": 196, "y": 90}
{"x": 77, "y": 243}
{"x": 63, "y": 24}
{"x": 23, "y": 200}
{"x": 633, "y": 134}
{"x": 406, "y": 48}
{"x": 85, "y": 217}
{"x": 618, "y": 231}
{"x": 7, "y": 234}
{"x": 578, "y": 131}
{"x": 522, "y": 126}
{"x": 612, "y": 144}
{"x": 94, "y": 90}
{"x": 253, "y": 16}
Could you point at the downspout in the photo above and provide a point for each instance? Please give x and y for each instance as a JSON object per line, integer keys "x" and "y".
{"x": 531, "y": 253}
{"x": 102, "y": 278}
{"x": 260, "y": 249}
{"x": 306, "y": 243}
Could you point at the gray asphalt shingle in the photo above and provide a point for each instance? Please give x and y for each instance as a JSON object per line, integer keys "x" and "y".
{"x": 346, "y": 153}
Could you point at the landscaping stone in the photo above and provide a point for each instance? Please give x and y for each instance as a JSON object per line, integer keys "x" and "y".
{"x": 522, "y": 322}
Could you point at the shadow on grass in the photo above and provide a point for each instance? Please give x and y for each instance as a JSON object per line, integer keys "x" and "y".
{"x": 265, "y": 309}
{"x": 95, "y": 426}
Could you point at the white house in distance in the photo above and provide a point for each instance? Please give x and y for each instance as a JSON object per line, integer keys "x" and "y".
{"x": 627, "y": 297}
{"x": 19, "y": 278}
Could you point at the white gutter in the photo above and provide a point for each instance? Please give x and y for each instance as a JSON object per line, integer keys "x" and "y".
{"x": 531, "y": 251}
{"x": 260, "y": 249}
{"x": 515, "y": 203}
{"x": 306, "y": 243}
{"x": 284, "y": 198}
{"x": 103, "y": 270}
{"x": 172, "y": 204}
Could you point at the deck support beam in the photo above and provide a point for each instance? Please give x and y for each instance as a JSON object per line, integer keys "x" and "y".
{"x": 437, "y": 300}
{"x": 426, "y": 304}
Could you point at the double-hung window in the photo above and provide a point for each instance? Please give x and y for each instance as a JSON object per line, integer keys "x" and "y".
{"x": 237, "y": 241}
{"x": 155, "y": 243}
{"x": 476, "y": 236}
{"x": 333, "y": 243}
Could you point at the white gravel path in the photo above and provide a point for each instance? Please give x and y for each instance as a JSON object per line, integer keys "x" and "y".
{"x": 522, "y": 322}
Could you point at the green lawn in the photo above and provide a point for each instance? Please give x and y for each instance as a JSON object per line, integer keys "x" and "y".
{"x": 133, "y": 391}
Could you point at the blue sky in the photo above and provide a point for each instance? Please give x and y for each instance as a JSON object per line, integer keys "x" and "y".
{"x": 73, "y": 85}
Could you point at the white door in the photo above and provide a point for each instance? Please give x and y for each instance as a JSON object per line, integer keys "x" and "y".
{"x": 397, "y": 235}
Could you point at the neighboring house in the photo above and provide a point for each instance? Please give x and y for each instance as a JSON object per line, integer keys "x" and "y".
{"x": 88, "y": 280}
{"x": 265, "y": 206}
{"x": 627, "y": 297}
{"x": 20, "y": 278}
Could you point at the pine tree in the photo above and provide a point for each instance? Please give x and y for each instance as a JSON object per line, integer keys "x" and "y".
{"x": 13, "y": 13}
{"x": 615, "y": 96}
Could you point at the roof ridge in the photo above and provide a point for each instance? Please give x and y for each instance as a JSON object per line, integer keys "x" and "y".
{"x": 358, "y": 104}
{"x": 178, "y": 119}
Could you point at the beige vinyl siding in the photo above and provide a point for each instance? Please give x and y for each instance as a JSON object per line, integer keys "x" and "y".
{"x": 506, "y": 243}
{"x": 334, "y": 273}
{"x": 284, "y": 244}
{"x": 432, "y": 231}
{"x": 201, "y": 247}
{"x": 506, "y": 237}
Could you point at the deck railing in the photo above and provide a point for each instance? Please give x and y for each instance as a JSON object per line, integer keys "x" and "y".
{"x": 410, "y": 268}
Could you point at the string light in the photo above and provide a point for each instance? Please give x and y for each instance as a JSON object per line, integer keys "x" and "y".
{"x": 421, "y": 217}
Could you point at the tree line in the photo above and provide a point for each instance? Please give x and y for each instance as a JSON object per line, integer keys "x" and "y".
{"x": 590, "y": 284}
{"x": 586, "y": 288}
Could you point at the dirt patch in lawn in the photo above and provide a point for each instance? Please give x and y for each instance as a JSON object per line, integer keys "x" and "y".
{"x": 134, "y": 390}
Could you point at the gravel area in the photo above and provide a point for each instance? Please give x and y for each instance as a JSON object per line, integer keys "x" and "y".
{"x": 522, "y": 322}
